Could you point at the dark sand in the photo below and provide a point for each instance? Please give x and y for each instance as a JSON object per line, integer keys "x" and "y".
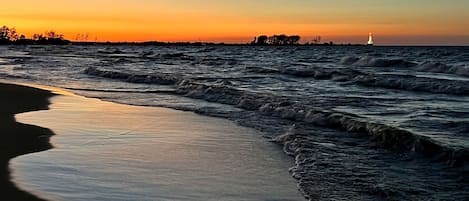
{"x": 16, "y": 138}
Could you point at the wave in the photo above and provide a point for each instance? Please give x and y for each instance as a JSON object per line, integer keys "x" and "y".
{"x": 181, "y": 56}
{"x": 214, "y": 61}
{"x": 110, "y": 51}
{"x": 123, "y": 91}
{"x": 16, "y": 76}
{"x": 389, "y": 81}
{"x": 369, "y": 61}
{"x": 262, "y": 70}
{"x": 162, "y": 79}
{"x": 317, "y": 72}
{"x": 331, "y": 165}
{"x": 388, "y": 137}
{"x": 413, "y": 83}
{"x": 436, "y": 67}
{"x": 433, "y": 67}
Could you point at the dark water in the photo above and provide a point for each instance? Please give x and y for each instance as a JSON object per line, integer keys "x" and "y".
{"x": 363, "y": 123}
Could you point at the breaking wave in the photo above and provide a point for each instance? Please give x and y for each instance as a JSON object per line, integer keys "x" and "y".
{"x": 133, "y": 78}
{"x": 434, "y": 67}
{"x": 390, "y": 81}
{"x": 269, "y": 105}
{"x": 368, "y": 61}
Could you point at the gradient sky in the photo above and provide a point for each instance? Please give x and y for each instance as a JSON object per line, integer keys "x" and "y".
{"x": 391, "y": 21}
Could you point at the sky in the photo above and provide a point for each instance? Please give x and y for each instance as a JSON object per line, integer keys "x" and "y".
{"x": 414, "y": 22}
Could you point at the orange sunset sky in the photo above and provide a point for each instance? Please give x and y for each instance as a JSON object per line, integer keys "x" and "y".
{"x": 444, "y": 22}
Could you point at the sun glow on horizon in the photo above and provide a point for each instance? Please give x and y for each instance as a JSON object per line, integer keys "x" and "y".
{"x": 239, "y": 21}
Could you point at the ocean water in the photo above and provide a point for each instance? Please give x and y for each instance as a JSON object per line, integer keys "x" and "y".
{"x": 362, "y": 123}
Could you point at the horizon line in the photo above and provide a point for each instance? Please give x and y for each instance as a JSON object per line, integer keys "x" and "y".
{"x": 380, "y": 39}
{"x": 249, "y": 44}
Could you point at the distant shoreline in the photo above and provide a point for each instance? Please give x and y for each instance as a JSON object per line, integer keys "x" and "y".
{"x": 156, "y": 43}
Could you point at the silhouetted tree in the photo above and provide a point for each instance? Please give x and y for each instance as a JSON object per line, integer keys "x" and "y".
{"x": 12, "y": 34}
{"x": 22, "y": 40}
{"x": 38, "y": 37}
{"x": 260, "y": 40}
{"x": 4, "y": 35}
{"x": 281, "y": 39}
{"x": 50, "y": 37}
{"x": 271, "y": 40}
{"x": 8, "y": 34}
{"x": 293, "y": 40}
{"x": 276, "y": 39}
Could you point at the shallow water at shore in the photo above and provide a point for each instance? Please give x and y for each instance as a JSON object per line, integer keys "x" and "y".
{"x": 107, "y": 151}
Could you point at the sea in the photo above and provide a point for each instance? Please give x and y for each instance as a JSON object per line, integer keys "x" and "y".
{"x": 360, "y": 122}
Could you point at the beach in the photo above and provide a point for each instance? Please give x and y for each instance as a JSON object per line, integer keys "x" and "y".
{"x": 17, "y": 138}
{"x": 108, "y": 151}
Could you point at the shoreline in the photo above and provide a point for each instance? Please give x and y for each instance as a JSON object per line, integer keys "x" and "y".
{"x": 173, "y": 154}
{"x": 18, "y": 138}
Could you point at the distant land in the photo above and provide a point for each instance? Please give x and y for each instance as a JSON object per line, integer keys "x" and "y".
{"x": 9, "y": 36}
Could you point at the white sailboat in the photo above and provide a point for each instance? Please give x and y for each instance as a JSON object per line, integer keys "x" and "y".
{"x": 370, "y": 40}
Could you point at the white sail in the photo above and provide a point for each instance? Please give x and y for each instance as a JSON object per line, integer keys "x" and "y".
{"x": 370, "y": 39}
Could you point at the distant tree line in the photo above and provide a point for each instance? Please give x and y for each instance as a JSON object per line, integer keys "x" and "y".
{"x": 281, "y": 39}
{"x": 10, "y": 36}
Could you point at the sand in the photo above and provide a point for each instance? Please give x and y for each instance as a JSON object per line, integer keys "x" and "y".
{"x": 18, "y": 138}
{"x": 108, "y": 151}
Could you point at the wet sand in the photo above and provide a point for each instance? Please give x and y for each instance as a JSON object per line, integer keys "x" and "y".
{"x": 108, "y": 151}
{"x": 17, "y": 138}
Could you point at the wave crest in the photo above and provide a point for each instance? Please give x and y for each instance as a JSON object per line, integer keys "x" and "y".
{"x": 162, "y": 79}
{"x": 369, "y": 61}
